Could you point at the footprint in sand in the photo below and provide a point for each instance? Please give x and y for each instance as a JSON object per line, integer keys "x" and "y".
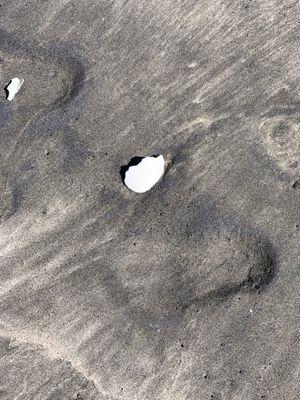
{"x": 171, "y": 277}
{"x": 53, "y": 75}
{"x": 281, "y": 139}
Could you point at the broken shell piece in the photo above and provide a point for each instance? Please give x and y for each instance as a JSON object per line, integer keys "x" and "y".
{"x": 141, "y": 174}
{"x": 13, "y": 87}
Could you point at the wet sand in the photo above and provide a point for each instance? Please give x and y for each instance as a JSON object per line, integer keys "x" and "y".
{"x": 189, "y": 291}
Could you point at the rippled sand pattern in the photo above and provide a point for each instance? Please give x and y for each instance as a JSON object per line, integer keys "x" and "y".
{"x": 189, "y": 291}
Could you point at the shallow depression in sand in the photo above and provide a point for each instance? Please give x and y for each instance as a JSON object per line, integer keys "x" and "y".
{"x": 281, "y": 139}
{"x": 170, "y": 278}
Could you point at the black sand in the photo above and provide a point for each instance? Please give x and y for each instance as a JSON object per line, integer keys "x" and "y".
{"x": 191, "y": 290}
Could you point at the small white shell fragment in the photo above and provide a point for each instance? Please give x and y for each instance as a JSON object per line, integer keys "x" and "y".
{"x": 142, "y": 177}
{"x": 13, "y": 87}
{"x": 192, "y": 65}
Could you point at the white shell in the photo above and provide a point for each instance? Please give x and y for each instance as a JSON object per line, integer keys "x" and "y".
{"x": 13, "y": 87}
{"x": 142, "y": 177}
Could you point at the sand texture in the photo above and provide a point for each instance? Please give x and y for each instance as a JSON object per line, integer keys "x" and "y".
{"x": 189, "y": 291}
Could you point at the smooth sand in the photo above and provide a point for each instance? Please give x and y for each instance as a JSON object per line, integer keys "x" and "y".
{"x": 191, "y": 290}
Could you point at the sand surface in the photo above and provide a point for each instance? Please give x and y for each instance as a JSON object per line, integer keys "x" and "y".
{"x": 189, "y": 291}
